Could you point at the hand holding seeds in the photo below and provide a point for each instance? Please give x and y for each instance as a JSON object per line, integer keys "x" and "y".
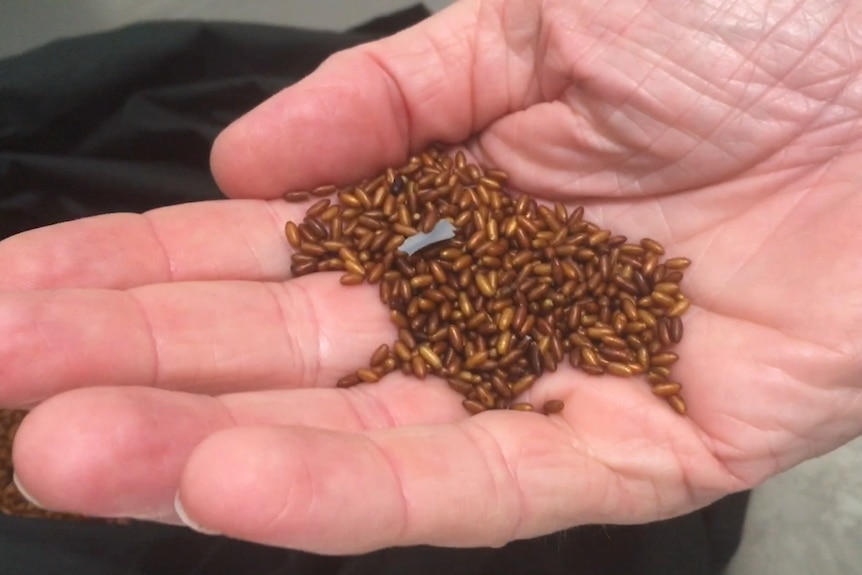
{"x": 177, "y": 354}
{"x": 489, "y": 291}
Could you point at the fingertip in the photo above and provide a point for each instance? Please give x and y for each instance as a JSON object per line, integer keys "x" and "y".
{"x": 111, "y": 452}
{"x": 294, "y": 487}
{"x": 187, "y": 520}
{"x": 39, "y": 468}
{"x": 24, "y": 492}
{"x": 226, "y": 484}
{"x": 342, "y": 123}
{"x": 220, "y": 158}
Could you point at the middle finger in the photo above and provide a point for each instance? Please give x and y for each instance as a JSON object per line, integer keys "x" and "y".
{"x": 215, "y": 240}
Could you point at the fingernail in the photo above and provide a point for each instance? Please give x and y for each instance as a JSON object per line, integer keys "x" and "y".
{"x": 30, "y": 499}
{"x": 187, "y": 521}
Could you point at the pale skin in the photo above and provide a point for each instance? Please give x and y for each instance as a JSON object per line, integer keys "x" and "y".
{"x": 170, "y": 354}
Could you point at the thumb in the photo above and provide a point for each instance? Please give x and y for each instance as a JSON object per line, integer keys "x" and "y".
{"x": 363, "y": 109}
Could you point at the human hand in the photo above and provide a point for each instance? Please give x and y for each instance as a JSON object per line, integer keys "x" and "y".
{"x": 727, "y": 133}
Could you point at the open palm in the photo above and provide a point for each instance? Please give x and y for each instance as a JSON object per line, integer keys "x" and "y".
{"x": 170, "y": 352}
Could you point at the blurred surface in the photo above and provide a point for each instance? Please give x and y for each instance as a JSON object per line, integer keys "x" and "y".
{"x": 807, "y": 520}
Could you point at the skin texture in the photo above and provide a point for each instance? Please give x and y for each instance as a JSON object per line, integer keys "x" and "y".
{"x": 730, "y": 132}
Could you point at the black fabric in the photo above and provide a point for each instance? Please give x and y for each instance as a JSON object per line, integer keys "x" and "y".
{"x": 123, "y": 121}
{"x": 699, "y": 543}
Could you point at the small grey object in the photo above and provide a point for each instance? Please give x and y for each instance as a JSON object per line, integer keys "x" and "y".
{"x": 442, "y": 231}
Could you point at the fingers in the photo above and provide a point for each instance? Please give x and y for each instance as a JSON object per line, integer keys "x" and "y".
{"x": 482, "y": 482}
{"x": 366, "y": 108}
{"x": 203, "y": 241}
{"x": 106, "y": 452}
{"x": 206, "y": 337}
{"x": 400, "y": 463}
{"x": 434, "y": 485}
{"x": 113, "y": 452}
